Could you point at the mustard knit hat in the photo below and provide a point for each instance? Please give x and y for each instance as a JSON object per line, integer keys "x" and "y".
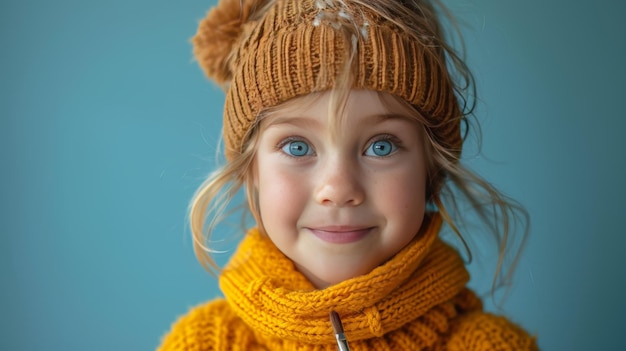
{"x": 266, "y": 52}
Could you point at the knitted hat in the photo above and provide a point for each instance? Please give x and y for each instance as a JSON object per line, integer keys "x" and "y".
{"x": 266, "y": 52}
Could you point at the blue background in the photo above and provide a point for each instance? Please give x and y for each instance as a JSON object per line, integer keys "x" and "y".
{"x": 108, "y": 126}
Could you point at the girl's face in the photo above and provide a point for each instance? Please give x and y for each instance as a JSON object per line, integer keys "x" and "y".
{"x": 341, "y": 199}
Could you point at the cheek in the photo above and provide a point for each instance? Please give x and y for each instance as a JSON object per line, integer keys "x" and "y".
{"x": 281, "y": 198}
{"x": 408, "y": 197}
{"x": 405, "y": 197}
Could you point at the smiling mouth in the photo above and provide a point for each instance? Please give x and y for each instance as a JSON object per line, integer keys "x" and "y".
{"x": 340, "y": 235}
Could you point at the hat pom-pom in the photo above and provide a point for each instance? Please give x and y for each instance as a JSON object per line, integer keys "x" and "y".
{"x": 215, "y": 42}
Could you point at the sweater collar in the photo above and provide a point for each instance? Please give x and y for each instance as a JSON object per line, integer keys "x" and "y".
{"x": 277, "y": 302}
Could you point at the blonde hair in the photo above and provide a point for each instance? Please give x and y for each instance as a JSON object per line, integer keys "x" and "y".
{"x": 450, "y": 184}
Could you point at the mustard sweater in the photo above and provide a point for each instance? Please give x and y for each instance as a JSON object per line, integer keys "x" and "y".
{"x": 415, "y": 301}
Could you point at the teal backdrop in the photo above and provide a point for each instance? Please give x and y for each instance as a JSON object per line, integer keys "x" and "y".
{"x": 108, "y": 126}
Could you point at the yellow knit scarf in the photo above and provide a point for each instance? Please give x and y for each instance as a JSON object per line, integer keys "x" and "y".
{"x": 407, "y": 302}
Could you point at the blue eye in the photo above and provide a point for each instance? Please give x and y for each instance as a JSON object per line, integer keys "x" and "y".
{"x": 381, "y": 148}
{"x": 297, "y": 148}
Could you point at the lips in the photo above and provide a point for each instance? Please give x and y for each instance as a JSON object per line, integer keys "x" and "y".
{"x": 341, "y": 234}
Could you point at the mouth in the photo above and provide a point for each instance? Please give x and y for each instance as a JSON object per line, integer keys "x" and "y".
{"x": 341, "y": 234}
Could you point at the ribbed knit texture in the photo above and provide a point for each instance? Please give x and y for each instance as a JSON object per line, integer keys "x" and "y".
{"x": 265, "y": 61}
{"x": 415, "y": 301}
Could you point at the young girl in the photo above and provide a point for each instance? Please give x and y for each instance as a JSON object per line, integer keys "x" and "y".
{"x": 344, "y": 124}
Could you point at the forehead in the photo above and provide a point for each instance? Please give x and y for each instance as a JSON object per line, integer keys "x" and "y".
{"x": 340, "y": 112}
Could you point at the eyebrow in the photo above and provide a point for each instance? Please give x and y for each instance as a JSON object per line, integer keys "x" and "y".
{"x": 388, "y": 116}
{"x": 300, "y": 121}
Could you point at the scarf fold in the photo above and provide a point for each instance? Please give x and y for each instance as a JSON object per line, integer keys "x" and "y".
{"x": 415, "y": 293}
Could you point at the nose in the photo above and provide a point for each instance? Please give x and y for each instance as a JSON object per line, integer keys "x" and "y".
{"x": 340, "y": 184}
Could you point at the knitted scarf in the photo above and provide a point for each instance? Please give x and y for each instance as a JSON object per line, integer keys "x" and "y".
{"x": 405, "y": 304}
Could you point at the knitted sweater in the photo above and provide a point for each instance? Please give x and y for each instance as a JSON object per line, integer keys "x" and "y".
{"x": 415, "y": 301}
